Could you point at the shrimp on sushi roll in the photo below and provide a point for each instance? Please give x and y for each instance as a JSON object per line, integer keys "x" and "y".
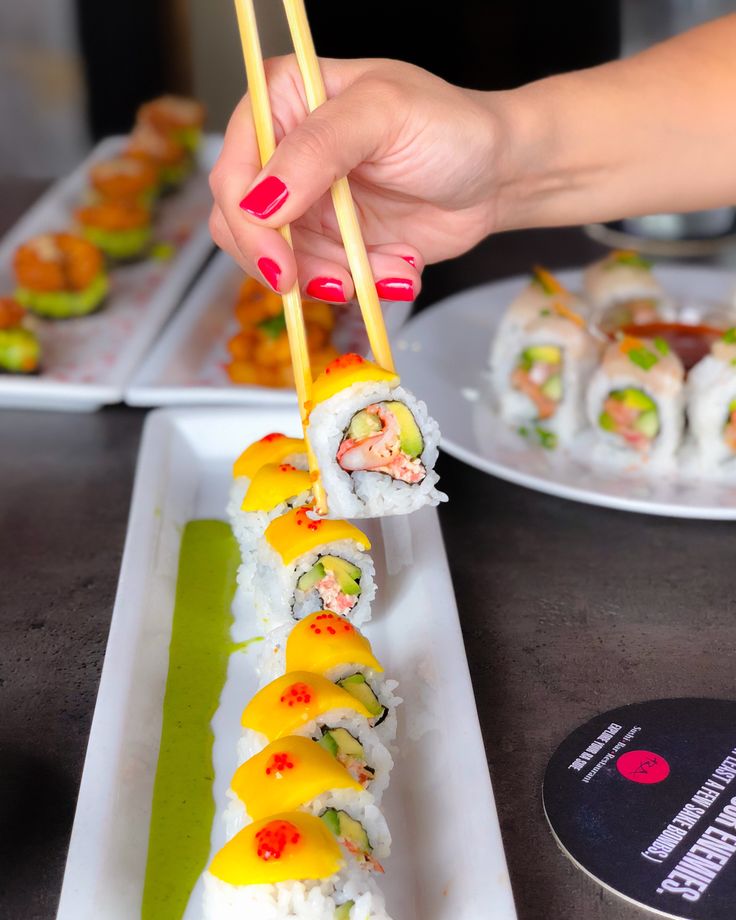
{"x": 60, "y": 275}
{"x": 20, "y": 351}
{"x": 374, "y": 443}
{"x": 120, "y": 229}
{"x": 711, "y": 406}
{"x": 623, "y": 292}
{"x": 289, "y": 865}
{"x": 636, "y": 403}
{"x": 175, "y": 116}
{"x": 170, "y": 158}
{"x": 125, "y": 178}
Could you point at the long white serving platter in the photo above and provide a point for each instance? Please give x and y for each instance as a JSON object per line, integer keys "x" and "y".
{"x": 448, "y": 861}
{"x": 87, "y": 361}
{"x": 187, "y": 365}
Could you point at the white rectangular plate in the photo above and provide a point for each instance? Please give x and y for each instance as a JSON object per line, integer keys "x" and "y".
{"x": 87, "y": 361}
{"x": 187, "y": 365}
{"x": 448, "y": 861}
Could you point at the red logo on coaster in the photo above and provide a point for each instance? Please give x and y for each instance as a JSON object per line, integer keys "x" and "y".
{"x": 643, "y": 767}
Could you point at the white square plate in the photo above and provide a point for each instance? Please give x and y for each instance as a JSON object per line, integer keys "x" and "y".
{"x": 448, "y": 861}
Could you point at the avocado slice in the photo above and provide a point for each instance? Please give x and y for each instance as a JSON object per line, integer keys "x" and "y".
{"x": 605, "y": 420}
{"x": 553, "y": 387}
{"x": 331, "y": 817}
{"x": 347, "y": 574}
{"x": 364, "y": 424}
{"x": 545, "y": 354}
{"x": 412, "y": 442}
{"x": 648, "y": 423}
{"x": 342, "y": 825}
{"x": 346, "y": 744}
{"x": 342, "y": 912}
{"x": 357, "y": 686}
{"x": 732, "y": 406}
{"x": 309, "y": 579}
{"x": 329, "y": 742}
{"x": 634, "y": 399}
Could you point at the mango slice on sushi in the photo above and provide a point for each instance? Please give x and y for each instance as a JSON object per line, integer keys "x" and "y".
{"x": 273, "y": 484}
{"x": 288, "y": 846}
{"x": 295, "y": 700}
{"x": 296, "y": 532}
{"x": 374, "y": 443}
{"x": 286, "y": 774}
{"x": 272, "y": 448}
{"x": 325, "y": 641}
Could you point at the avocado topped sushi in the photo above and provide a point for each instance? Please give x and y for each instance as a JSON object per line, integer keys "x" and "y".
{"x": 20, "y": 351}
{"x": 60, "y": 275}
{"x": 175, "y": 116}
{"x": 125, "y": 178}
{"x": 121, "y": 229}
{"x": 171, "y": 158}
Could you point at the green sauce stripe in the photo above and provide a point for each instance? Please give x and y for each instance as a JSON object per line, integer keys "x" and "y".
{"x": 183, "y": 805}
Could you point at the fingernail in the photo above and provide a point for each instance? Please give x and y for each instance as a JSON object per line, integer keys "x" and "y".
{"x": 266, "y": 198}
{"x": 410, "y": 259}
{"x": 270, "y": 271}
{"x": 329, "y": 289}
{"x": 395, "y": 289}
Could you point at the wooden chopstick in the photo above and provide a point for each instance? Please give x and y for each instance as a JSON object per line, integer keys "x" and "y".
{"x": 293, "y": 315}
{"x": 342, "y": 198}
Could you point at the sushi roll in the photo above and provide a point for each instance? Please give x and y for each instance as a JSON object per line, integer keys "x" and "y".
{"x": 636, "y": 402}
{"x": 124, "y": 178}
{"x": 274, "y": 489}
{"x": 306, "y": 564}
{"x": 60, "y": 275}
{"x": 120, "y": 229}
{"x": 296, "y": 773}
{"x": 288, "y": 865}
{"x": 176, "y": 117}
{"x": 307, "y": 704}
{"x": 272, "y": 448}
{"x": 328, "y": 644}
{"x": 170, "y": 158}
{"x": 711, "y": 406}
{"x": 541, "y": 362}
{"x": 623, "y": 291}
{"x": 374, "y": 443}
{"x": 20, "y": 351}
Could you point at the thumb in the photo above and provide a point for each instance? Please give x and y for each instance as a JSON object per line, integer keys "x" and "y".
{"x": 333, "y": 140}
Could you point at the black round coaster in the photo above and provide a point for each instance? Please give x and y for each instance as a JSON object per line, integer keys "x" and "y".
{"x": 643, "y": 798}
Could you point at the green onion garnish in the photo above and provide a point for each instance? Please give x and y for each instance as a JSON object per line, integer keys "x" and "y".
{"x": 661, "y": 345}
{"x": 730, "y": 336}
{"x": 273, "y": 326}
{"x": 548, "y": 439}
{"x": 643, "y": 358}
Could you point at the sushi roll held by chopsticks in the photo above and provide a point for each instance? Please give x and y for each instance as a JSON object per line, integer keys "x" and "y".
{"x": 711, "y": 406}
{"x": 374, "y": 442}
{"x": 636, "y": 403}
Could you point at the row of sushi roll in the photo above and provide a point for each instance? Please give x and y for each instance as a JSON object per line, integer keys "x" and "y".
{"x": 305, "y": 833}
{"x": 61, "y": 275}
{"x": 561, "y": 364}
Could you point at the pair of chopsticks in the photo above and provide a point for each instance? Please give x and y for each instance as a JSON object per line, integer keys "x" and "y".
{"x": 342, "y": 199}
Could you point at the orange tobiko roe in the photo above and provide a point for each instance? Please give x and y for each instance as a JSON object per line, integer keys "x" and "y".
{"x": 57, "y": 262}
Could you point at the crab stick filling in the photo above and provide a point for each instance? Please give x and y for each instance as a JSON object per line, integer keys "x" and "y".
{"x": 729, "y": 431}
{"x": 383, "y": 438}
{"x": 632, "y": 415}
{"x": 538, "y": 375}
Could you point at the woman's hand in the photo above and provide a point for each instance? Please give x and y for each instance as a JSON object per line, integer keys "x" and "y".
{"x": 421, "y": 155}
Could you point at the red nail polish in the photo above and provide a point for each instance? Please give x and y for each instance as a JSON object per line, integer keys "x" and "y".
{"x": 270, "y": 271}
{"x": 395, "y": 289}
{"x": 266, "y": 198}
{"x": 329, "y": 289}
{"x": 410, "y": 259}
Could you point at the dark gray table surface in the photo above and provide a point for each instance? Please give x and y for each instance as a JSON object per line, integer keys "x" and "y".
{"x": 567, "y": 610}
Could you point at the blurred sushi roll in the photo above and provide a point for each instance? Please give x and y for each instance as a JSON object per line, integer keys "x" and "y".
{"x": 711, "y": 406}
{"x": 296, "y": 773}
{"x": 307, "y": 704}
{"x": 274, "y": 448}
{"x": 60, "y": 275}
{"x": 124, "y": 178}
{"x": 177, "y": 117}
{"x": 328, "y": 644}
{"x": 623, "y": 292}
{"x": 171, "y": 159}
{"x": 636, "y": 402}
{"x": 289, "y": 865}
{"x": 20, "y": 350}
{"x": 541, "y": 362}
{"x": 306, "y": 564}
{"x": 374, "y": 442}
{"x": 120, "y": 229}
